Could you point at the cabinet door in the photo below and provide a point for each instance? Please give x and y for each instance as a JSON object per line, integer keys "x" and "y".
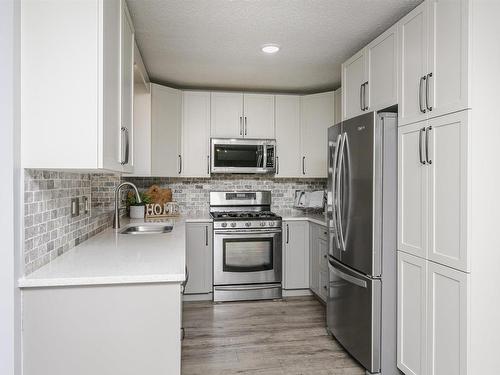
{"x": 447, "y": 219}
{"x": 316, "y": 117}
{"x": 447, "y": 321}
{"x": 448, "y": 56}
{"x": 337, "y": 105}
{"x": 166, "y": 115}
{"x": 412, "y": 300}
{"x": 353, "y": 76}
{"x": 296, "y": 255}
{"x": 288, "y": 158}
{"x": 382, "y": 72}
{"x": 412, "y": 190}
{"x": 314, "y": 258}
{"x": 258, "y": 116}
{"x": 195, "y": 134}
{"x": 126, "y": 156}
{"x": 199, "y": 258}
{"x": 227, "y": 115}
{"x": 413, "y": 65}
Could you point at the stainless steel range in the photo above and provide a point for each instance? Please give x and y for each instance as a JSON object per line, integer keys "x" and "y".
{"x": 247, "y": 246}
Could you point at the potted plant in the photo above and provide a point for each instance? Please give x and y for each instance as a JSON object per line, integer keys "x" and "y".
{"x": 137, "y": 210}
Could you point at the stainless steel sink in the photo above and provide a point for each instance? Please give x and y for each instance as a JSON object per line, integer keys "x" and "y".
{"x": 147, "y": 229}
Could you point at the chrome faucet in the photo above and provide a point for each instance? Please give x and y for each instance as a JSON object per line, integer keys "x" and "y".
{"x": 116, "y": 218}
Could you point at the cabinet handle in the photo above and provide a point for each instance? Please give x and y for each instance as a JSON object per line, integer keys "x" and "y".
{"x": 206, "y": 235}
{"x": 287, "y": 234}
{"x": 420, "y": 104}
{"x": 427, "y": 131}
{"x": 365, "y": 106}
{"x": 421, "y": 132}
{"x": 246, "y": 126}
{"x": 180, "y": 164}
{"x": 241, "y": 125}
{"x": 361, "y": 106}
{"x": 277, "y": 165}
{"x": 427, "y": 84}
{"x": 208, "y": 164}
{"x": 303, "y": 165}
{"x": 125, "y": 157}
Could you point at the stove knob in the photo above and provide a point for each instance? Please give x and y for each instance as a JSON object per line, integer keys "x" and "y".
{"x": 262, "y": 223}
{"x": 223, "y": 225}
{"x": 247, "y": 224}
{"x": 233, "y": 224}
{"x": 271, "y": 224}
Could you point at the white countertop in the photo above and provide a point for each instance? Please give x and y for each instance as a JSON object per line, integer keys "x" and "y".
{"x": 114, "y": 258}
{"x": 316, "y": 218}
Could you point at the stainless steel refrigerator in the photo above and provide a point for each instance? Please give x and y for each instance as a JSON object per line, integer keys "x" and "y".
{"x": 362, "y": 211}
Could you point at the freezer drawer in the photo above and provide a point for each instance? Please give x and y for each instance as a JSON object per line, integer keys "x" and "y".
{"x": 354, "y": 313}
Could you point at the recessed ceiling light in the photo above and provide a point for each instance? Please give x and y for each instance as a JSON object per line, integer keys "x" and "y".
{"x": 270, "y": 48}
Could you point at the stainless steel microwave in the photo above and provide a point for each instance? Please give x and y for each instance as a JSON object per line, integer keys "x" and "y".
{"x": 243, "y": 155}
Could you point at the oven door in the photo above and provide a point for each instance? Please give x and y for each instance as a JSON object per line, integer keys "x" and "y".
{"x": 248, "y": 257}
{"x": 240, "y": 156}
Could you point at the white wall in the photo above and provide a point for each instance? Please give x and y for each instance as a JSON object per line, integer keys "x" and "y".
{"x": 9, "y": 188}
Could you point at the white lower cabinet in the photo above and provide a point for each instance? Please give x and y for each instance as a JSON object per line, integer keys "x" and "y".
{"x": 447, "y": 320}
{"x": 432, "y": 317}
{"x": 199, "y": 258}
{"x": 295, "y": 254}
{"x": 318, "y": 260}
{"x": 412, "y": 280}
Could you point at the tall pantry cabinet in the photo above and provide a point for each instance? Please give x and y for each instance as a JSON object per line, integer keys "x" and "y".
{"x": 76, "y": 85}
{"x": 447, "y": 257}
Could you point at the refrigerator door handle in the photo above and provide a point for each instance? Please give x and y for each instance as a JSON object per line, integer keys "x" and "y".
{"x": 349, "y": 278}
{"x": 338, "y": 207}
{"x": 334, "y": 185}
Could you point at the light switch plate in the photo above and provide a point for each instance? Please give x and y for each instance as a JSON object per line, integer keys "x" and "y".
{"x": 75, "y": 207}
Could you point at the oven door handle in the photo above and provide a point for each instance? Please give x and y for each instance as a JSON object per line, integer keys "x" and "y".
{"x": 235, "y": 232}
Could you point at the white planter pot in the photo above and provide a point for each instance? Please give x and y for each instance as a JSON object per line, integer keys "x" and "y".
{"x": 137, "y": 212}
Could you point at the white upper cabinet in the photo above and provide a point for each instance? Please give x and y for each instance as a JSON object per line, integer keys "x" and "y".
{"x": 413, "y": 36}
{"x": 288, "y": 140}
{"x": 382, "y": 67}
{"x": 238, "y": 115}
{"x": 258, "y": 116}
{"x": 166, "y": 122}
{"x": 127, "y": 91}
{"x": 227, "y": 115}
{"x": 353, "y": 79}
{"x": 337, "y": 105}
{"x": 316, "y": 117}
{"x": 434, "y": 66}
{"x": 195, "y": 134}
{"x": 80, "y": 119}
{"x": 448, "y": 56}
{"x": 370, "y": 77}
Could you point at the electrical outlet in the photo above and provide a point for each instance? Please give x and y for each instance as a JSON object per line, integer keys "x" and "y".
{"x": 85, "y": 205}
{"x": 75, "y": 207}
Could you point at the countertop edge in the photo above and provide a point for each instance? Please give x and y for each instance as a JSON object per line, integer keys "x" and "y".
{"x": 25, "y": 283}
{"x": 305, "y": 218}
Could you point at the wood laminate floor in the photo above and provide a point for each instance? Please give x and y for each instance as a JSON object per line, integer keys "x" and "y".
{"x": 269, "y": 337}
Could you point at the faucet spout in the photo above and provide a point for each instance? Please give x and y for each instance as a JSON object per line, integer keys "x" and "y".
{"x": 116, "y": 217}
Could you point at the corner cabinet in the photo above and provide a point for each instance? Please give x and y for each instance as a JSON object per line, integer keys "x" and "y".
{"x": 82, "y": 122}
{"x": 242, "y": 115}
{"x": 199, "y": 239}
{"x": 295, "y": 254}
{"x": 316, "y": 116}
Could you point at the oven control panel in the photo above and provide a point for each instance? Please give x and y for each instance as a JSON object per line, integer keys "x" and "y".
{"x": 251, "y": 224}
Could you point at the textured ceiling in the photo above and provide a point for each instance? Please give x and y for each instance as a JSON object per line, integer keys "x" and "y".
{"x": 216, "y": 43}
